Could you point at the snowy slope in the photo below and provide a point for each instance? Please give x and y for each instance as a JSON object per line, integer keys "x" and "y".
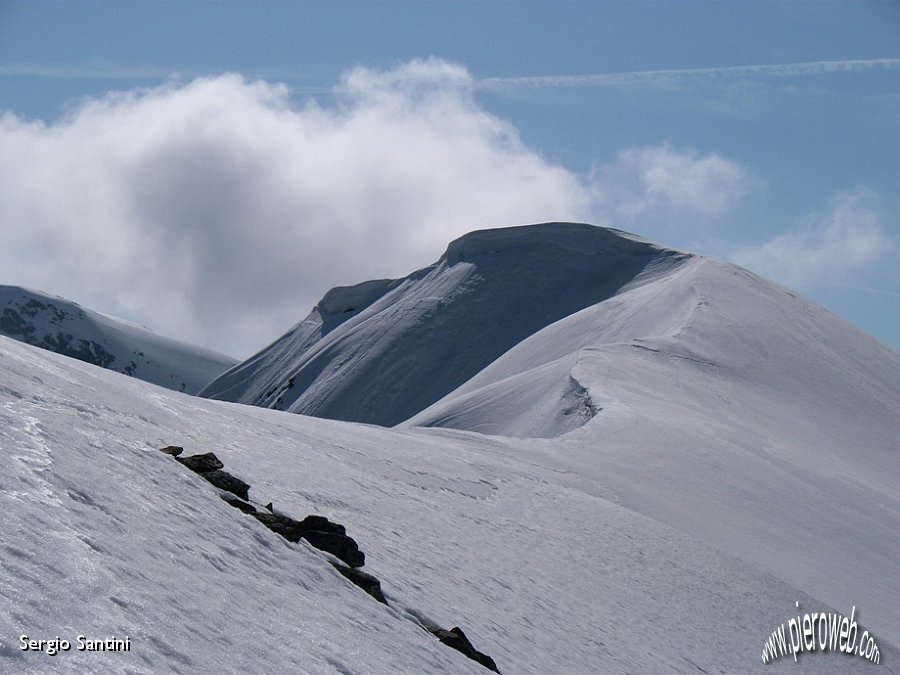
{"x": 715, "y": 395}
{"x": 67, "y": 328}
{"x": 382, "y": 351}
{"x": 712, "y": 318}
{"x": 546, "y": 569}
{"x": 677, "y": 454}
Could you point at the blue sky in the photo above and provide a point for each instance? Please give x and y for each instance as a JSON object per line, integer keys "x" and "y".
{"x": 260, "y": 153}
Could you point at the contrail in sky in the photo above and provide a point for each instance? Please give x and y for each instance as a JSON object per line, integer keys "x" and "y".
{"x": 83, "y": 72}
{"x": 498, "y": 84}
{"x": 659, "y": 76}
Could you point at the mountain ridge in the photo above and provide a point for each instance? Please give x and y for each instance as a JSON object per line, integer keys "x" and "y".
{"x": 65, "y": 327}
{"x": 398, "y": 344}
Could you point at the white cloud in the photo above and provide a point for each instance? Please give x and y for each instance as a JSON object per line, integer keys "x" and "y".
{"x": 648, "y": 180}
{"x": 220, "y": 211}
{"x": 849, "y": 237}
{"x": 217, "y": 211}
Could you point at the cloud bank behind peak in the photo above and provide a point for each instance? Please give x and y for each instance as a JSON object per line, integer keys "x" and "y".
{"x": 219, "y": 210}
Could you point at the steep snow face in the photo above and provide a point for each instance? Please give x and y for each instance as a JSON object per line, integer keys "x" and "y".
{"x": 534, "y": 389}
{"x": 67, "y": 328}
{"x": 522, "y": 542}
{"x": 714, "y": 317}
{"x": 382, "y": 351}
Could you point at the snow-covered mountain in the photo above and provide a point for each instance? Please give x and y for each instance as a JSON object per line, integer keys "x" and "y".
{"x": 65, "y": 327}
{"x": 648, "y": 477}
{"x": 382, "y": 351}
{"x": 547, "y": 565}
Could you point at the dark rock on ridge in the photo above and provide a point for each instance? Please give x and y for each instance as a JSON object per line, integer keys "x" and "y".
{"x": 202, "y": 463}
{"x": 241, "y": 505}
{"x": 322, "y": 524}
{"x": 211, "y": 468}
{"x": 287, "y": 527}
{"x": 339, "y": 545}
{"x": 321, "y": 533}
{"x": 457, "y": 639}
{"x": 364, "y": 580}
{"x": 318, "y": 531}
{"x": 225, "y": 481}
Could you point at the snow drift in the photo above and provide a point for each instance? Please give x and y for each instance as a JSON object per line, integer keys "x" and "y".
{"x": 67, "y": 328}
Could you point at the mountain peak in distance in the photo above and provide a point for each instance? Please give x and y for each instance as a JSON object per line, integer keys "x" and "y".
{"x": 382, "y": 351}
{"x": 67, "y": 328}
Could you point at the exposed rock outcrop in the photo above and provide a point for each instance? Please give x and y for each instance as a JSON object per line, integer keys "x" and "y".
{"x": 202, "y": 463}
{"x": 457, "y": 639}
{"x": 364, "y": 580}
{"x": 339, "y": 545}
{"x": 320, "y": 532}
{"x": 241, "y": 505}
{"x": 225, "y": 481}
{"x": 211, "y": 468}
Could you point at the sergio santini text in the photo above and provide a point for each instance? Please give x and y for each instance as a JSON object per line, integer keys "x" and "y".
{"x": 82, "y": 644}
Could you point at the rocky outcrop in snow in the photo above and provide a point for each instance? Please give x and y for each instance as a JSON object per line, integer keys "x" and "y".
{"x": 457, "y": 639}
{"x": 319, "y": 532}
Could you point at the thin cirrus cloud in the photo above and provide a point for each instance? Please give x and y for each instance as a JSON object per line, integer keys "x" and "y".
{"x": 650, "y": 77}
{"x": 94, "y": 71}
{"x": 219, "y": 211}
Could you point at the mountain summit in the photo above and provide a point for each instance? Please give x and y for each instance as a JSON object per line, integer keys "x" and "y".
{"x": 383, "y": 351}
{"x": 534, "y": 331}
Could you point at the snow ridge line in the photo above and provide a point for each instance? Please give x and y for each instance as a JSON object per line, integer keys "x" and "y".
{"x": 322, "y": 534}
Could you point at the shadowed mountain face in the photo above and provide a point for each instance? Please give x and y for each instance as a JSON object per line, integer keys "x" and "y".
{"x": 66, "y": 328}
{"x": 382, "y": 351}
{"x": 20, "y": 320}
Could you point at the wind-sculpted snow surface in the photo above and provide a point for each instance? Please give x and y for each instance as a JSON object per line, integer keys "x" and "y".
{"x": 551, "y": 568}
{"x": 382, "y": 351}
{"x": 67, "y": 328}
